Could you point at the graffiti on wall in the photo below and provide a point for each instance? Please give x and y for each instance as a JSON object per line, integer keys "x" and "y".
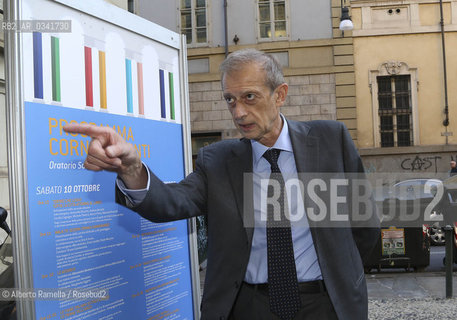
{"x": 437, "y": 164}
{"x": 421, "y": 163}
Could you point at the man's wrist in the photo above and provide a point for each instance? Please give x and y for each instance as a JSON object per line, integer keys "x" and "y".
{"x": 136, "y": 177}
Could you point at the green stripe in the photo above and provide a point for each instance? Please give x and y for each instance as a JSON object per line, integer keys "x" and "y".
{"x": 55, "y": 57}
{"x": 172, "y": 96}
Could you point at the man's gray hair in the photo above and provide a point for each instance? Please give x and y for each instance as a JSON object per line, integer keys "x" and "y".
{"x": 239, "y": 59}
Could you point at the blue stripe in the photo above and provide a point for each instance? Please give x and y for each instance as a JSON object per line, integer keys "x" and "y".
{"x": 162, "y": 94}
{"x": 128, "y": 74}
{"x": 38, "y": 65}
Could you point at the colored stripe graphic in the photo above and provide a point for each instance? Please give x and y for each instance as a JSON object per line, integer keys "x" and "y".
{"x": 172, "y": 96}
{"x": 128, "y": 80}
{"x": 37, "y": 65}
{"x": 102, "y": 72}
{"x": 140, "y": 89}
{"x": 162, "y": 94}
{"x": 55, "y": 65}
{"x": 88, "y": 72}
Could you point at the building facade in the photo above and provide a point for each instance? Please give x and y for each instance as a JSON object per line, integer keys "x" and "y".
{"x": 402, "y": 122}
{"x": 303, "y": 36}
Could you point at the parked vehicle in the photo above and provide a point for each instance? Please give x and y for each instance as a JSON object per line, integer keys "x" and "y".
{"x": 437, "y": 237}
{"x": 421, "y": 192}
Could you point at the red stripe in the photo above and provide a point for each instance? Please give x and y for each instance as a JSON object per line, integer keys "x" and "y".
{"x": 140, "y": 89}
{"x": 88, "y": 71}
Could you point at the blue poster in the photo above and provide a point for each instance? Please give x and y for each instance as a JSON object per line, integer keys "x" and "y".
{"x": 80, "y": 238}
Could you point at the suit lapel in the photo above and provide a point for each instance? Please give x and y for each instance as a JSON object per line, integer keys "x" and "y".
{"x": 306, "y": 152}
{"x": 237, "y": 165}
{"x": 305, "y": 146}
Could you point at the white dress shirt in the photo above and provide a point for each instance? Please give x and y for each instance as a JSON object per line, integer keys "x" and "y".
{"x": 304, "y": 252}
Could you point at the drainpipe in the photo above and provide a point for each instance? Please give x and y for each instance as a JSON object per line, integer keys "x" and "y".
{"x": 446, "y": 106}
{"x": 225, "y": 29}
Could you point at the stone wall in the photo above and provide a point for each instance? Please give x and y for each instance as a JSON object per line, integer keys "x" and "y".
{"x": 208, "y": 110}
{"x": 310, "y": 97}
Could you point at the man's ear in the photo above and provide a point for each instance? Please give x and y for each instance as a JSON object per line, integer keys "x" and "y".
{"x": 281, "y": 94}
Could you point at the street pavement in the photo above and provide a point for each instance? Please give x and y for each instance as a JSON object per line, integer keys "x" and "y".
{"x": 410, "y": 296}
{"x": 409, "y": 285}
{"x": 399, "y": 294}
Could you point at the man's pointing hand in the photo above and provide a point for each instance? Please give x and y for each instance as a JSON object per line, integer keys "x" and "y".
{"x": 109, "y": 151}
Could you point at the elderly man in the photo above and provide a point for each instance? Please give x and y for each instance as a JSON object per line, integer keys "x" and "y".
{"x": 259, "y": 271}
{"x": 453, "y": 171}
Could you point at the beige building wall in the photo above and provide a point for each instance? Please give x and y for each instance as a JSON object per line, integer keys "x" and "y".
{"x": 407, "y": 33}
{"x": 422, "y": 52}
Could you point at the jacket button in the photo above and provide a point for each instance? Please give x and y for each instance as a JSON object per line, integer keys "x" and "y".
{"x": 237, "y": 284}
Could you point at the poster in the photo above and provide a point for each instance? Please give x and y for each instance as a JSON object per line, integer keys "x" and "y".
{"x": 81, "y": 239}
{"x": 103, "y": 73}
{"x": 393, "y": 241}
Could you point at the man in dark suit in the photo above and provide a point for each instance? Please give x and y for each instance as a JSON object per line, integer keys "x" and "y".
{"x": 247, "y": 278}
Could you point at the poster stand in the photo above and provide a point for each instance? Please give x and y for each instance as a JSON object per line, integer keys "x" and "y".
{"x": 67, "y": 230}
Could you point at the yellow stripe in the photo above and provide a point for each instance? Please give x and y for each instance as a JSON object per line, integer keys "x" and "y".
{"x": 102, "y": 69}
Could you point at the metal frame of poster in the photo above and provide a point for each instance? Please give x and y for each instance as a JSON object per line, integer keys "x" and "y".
{"x": 114, "y": 69}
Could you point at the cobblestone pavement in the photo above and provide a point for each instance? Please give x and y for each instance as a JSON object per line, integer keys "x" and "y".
{"x": 412, "y": 308}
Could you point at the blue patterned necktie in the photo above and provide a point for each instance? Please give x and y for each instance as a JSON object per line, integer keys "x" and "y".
{"x": 282, "y": 274}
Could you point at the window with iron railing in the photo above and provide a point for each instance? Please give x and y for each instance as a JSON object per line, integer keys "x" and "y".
{"x": 395, "y": 110}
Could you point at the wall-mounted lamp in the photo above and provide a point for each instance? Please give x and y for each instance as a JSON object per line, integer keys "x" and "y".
{"x": 346, "y": 22}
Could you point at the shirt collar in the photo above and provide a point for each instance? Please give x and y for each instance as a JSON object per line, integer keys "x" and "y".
{"x": 283, "y": 143}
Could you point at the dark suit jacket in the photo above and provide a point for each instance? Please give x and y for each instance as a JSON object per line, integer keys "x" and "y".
{"x": 215, "y": 188}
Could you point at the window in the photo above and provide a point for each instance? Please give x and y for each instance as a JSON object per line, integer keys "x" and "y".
{"x": 394, "y": 96}
{"x": 193, "y": 21}
{"x": 282, "y": 57}
{"x": 272, "y": 19}
{"x": 131, "y": 6}
{"x": 200, "y": 140}
{"x": 198, "y": 65}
